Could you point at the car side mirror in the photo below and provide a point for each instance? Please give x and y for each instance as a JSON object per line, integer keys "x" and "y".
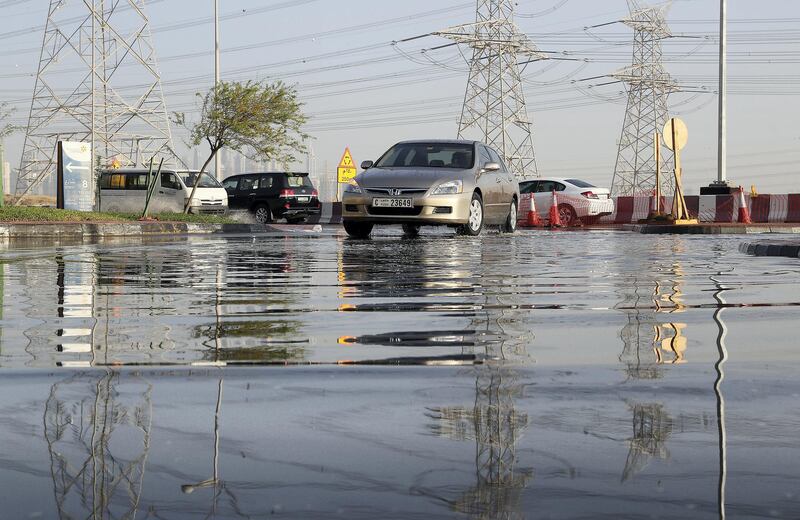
{"x": 491, "y": 167}
{"x": 366, "y": 165}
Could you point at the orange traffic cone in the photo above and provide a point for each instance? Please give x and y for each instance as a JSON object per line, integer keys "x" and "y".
{"x": 533, "y": 216}
{"x": 555, "y": 218}
{"x": 744, "y": 211}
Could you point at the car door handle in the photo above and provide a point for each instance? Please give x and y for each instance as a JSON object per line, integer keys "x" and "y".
{"x": 254, "y": 193}
{"x": 161, "y": 192}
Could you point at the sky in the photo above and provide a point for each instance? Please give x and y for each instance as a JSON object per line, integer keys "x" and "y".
{"x": 365, "y": 92}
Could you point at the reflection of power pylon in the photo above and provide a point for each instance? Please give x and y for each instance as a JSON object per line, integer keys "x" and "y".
{"x": 651, "y": 429}
{"x": 637, "y": 333}
{"x": 92, "y": 476}
{"x": 495, "y": 426}
{"x": 648, "y": 343}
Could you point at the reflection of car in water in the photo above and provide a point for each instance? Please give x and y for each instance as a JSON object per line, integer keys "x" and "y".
{"x": 461, "y": 184}
{"x": 577, "y": 199}
{"x": 273, "y": 195}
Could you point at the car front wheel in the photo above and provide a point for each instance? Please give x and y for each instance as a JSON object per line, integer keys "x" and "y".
{"x": 511, "y": 222}
{"x": 474, "y": 224}
{"x": 411, "y": 230}
{"x": 358, "y": 229}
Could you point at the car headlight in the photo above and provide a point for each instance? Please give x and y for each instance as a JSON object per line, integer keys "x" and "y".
{"x": 352, "y": 188}
{"x": 448, "y": 188}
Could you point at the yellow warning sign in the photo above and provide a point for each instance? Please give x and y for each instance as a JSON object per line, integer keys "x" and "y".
{"x": 346, "y": 171}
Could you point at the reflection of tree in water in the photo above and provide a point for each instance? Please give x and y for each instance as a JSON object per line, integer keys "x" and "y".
{"x": 652, "y": 426}
{"x": 98, "y": 436}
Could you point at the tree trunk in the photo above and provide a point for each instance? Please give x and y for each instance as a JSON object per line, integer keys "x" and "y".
{"x": 196, "y": 182}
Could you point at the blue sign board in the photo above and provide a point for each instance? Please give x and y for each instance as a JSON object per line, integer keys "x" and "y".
{"x": 76, "y": 186}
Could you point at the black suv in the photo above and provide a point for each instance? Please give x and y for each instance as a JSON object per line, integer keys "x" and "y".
{"x": 273, "y": 195}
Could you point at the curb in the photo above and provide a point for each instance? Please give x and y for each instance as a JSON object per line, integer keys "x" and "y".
{"x": 787, "y": 249}
{"x": 79, "y": 230}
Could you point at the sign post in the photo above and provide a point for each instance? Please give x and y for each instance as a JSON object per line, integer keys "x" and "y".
{"x": 676, "y": 135}
{"x": 75, "y": 187}
{"x": 345, "y": 172}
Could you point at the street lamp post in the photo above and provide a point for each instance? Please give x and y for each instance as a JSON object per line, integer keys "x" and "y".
{"x": 720, "y": 186}
{"x": 217, "y": 161}
{"x": 722, "y": 149}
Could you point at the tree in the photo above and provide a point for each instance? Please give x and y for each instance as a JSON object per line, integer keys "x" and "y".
{"x": 6, "y": 129}
{"x": 263, "y": 121}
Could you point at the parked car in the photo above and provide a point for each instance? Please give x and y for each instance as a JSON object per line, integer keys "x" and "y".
{"x": 273, "y": 195}
{"x": 461, "y": 184}
{"x": 125, "y": 191}
{"x": 577, "y": 200}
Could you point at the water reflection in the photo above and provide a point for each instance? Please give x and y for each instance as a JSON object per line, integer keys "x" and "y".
{"x": 493, "y": 423}
{"x": 494, "y": 426}
{"x": 648, "y": 342}
{"x": 719, "y": 367}
{"x": 98, "y": 436}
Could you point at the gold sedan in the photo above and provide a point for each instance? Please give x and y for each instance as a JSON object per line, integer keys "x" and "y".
{"x": 461, "y": 184}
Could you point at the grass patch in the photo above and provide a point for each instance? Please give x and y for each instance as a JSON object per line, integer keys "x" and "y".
{"x": 41, "y": 214}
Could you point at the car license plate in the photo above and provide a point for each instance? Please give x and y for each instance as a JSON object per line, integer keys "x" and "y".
{"x": 392, "y": 203}
{"x": 302, "y": 199}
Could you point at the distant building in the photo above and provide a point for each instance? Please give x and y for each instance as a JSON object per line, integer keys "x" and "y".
{"x": 6, "y": 178}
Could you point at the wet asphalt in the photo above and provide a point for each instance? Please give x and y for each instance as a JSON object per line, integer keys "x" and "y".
{"x": 540, "y": 375}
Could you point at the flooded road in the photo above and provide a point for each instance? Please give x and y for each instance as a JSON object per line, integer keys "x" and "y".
{"x": 541, "y": 375}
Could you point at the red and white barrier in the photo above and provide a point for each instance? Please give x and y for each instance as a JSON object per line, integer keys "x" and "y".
{"x": 767, "y": 208}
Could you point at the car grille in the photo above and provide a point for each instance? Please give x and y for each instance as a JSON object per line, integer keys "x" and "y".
{"x": 211, "y": 202}
{"x": 395, "y": 212}
{"x": 396, "y": 192}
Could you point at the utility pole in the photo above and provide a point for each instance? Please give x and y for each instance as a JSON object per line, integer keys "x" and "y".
{"x": 722, "y": 150}
{"x": 720, "y": 186}
{"x": 217, "y": 159}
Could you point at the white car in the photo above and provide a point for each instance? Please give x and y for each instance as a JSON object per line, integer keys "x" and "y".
{"x": 577, "y": 200}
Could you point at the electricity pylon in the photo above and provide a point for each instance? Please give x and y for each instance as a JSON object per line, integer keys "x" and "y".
{"x": 97, "y": 82}
{"x": 649, "y": 86}
{"x": 494, "y": 102}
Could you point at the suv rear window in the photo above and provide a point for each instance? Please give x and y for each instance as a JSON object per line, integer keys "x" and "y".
{"x": 298, "y": 181}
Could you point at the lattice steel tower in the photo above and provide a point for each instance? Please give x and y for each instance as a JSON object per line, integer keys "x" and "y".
{"x": 97, "y": 82}
{"x": 649, "y": 86}
{"x": 494, "y": 103}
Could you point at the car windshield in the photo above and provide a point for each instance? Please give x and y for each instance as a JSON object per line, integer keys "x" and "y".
{"x": 298, "y": 181}
{"x": 428, "y": 155}
{"x": 580, "y": 183}
{"x": 206, "y": 180}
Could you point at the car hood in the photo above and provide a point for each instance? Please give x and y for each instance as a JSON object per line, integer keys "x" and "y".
{"x": 409, "y": 177}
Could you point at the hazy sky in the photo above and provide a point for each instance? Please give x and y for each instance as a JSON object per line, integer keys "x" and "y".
{"x": 361, "y": 91}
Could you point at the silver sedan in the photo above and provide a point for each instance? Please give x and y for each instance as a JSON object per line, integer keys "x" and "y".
{"x": 461, "y": 184}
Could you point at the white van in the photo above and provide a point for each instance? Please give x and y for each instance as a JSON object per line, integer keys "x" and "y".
{"x": 125, "y": 191}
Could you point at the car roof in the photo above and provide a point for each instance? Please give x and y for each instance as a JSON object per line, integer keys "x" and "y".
{"x": 557, "y": 179}
{"x": 439, "y": 141}
{"x": 140, "y": 170}
{"x": 288, "y": 174}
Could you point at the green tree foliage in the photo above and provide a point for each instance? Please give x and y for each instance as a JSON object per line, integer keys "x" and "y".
{"x": 263, "y": 121}
{"x": 6, "y": 129}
